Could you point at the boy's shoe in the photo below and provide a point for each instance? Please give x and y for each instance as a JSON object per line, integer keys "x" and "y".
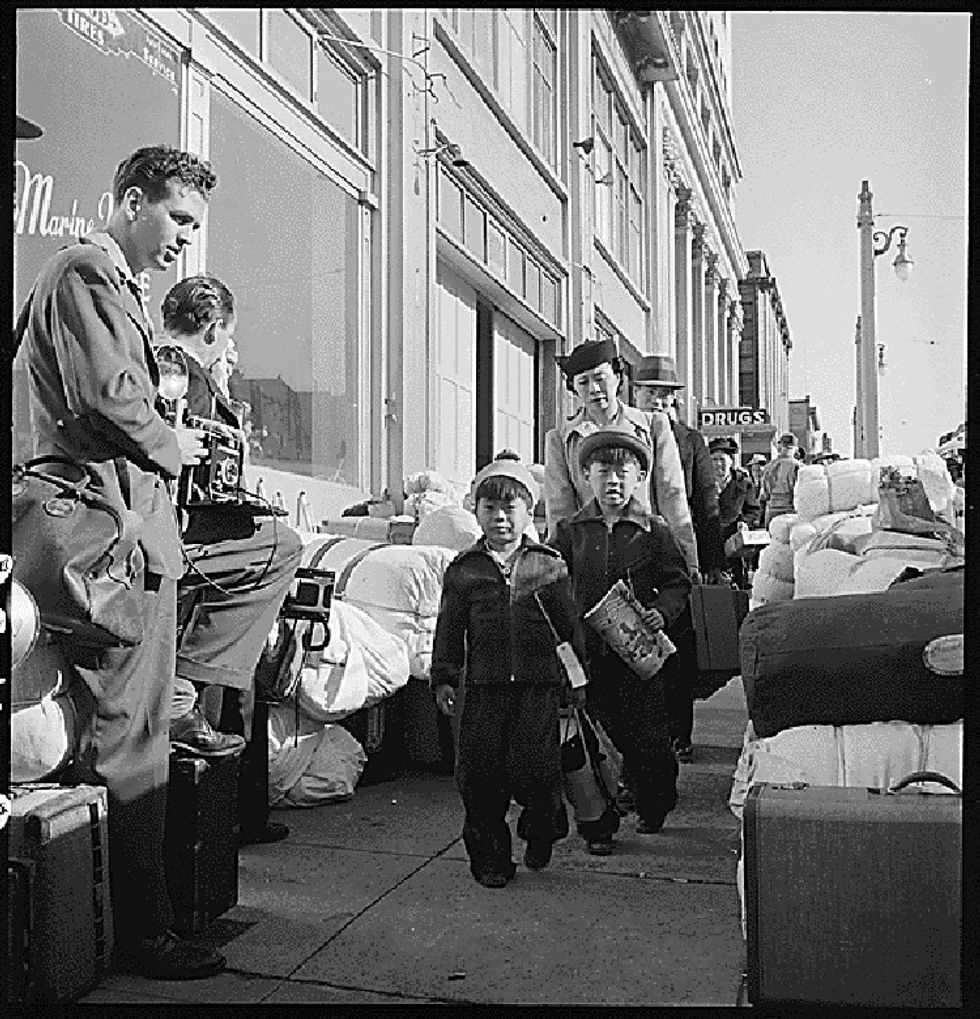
{"x": 492, "y": 879}
{"x": 683, "y": 751}
{"x": 600, "y": 846}
{"x": 537, "y": 856}
{"x": 167, "y": 957}
{"x": 650, "y": 825}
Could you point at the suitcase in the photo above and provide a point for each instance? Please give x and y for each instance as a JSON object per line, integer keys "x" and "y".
{"x": 63, "y": 832}
{"x": 717, "y": 613}
{"x": 852, "y": 659}
{"x": 853, "y": 896}
{"x": 18, "y": 932}
{"x": 201, "y": 844}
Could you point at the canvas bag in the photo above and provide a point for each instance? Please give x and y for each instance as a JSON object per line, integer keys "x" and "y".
{"x": 590, "y": 788}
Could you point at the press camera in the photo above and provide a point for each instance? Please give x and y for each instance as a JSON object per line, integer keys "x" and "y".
{"x": 217, "y": 479}
{"x": 309, "y": 601}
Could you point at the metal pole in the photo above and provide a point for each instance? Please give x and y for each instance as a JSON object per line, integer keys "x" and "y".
{"x": 859, "y": 398}
{"x": 869, "y": 374}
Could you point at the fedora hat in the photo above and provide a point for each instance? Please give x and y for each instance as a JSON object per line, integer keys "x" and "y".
{"x": 586, "y": 356}
{"x": 657, "y": 369}
{"x": 614, "y": 437}
{"x": 723, "y": 445}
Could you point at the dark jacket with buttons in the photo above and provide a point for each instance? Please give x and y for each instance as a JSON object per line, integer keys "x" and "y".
{"x": 639, "y": 548}
{"x": 702, "y": 495}
{"x": 494, "y": 627}
{"x": 738, "y": 503}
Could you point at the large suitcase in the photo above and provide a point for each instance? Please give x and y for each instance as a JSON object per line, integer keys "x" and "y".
{"x": 201, "y": 845}
{"x": 852, "y": 659}
{"x": 717, "y": 612}
{"x": 853, "y": 896}
{"x": 63, "y": 832}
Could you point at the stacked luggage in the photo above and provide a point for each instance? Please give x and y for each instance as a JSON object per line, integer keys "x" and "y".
{"x": 848, "y": 785}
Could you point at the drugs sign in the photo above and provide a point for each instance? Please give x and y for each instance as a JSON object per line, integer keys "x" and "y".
{"x": 733, "y": 419}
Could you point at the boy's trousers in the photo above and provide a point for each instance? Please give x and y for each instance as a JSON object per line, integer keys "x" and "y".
{"x": 509, "y": 747}
{"x": 634, "y": 715}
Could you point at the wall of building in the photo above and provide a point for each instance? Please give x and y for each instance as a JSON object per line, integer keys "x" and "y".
{"x": 409, "y": 230}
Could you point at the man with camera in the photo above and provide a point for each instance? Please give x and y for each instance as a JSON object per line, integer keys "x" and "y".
{"x": 241, "y": 560}
{"x": 84, "y": 340}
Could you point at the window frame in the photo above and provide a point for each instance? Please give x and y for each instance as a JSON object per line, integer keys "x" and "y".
{"x": 619, "y": 155}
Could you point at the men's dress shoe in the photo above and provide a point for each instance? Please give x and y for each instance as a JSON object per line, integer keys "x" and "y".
{"x": 683, "y": 751}
{"x": 167, "y": 957}
{"x": 601, "y": 846}
{"x": 274, "y": 831}
{"x": 650, "y": 825}
{"x": 492, "y": 879}
{"x": 193, "y": 734}
{"x": 537, "y": 856}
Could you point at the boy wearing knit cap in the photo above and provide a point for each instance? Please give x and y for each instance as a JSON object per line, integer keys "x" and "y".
{"x": 506, "y": 603}
{"x": 613, "y": 538}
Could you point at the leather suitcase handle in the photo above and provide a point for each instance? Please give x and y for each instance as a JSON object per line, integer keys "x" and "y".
{"x": 926, "y": 776}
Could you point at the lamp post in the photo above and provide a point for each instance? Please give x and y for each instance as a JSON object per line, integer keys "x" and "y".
{"x": 872, "y": 244}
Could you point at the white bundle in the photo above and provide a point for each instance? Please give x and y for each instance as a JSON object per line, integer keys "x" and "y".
{"x": 834, "y": 487}
{"x": 427, "y": 491}
{"x": 820, "y": 574}
{"x": 931, "y": 470}
{"x": 767, "y": 589}
{"x": 312, "y": 763}
{"x": 449, "y": 527}
{"x": 875, "y": 573}
{"x": 801, "y": 535}
{"x": 777, "y": 559}
{"x": 779, "y": 527}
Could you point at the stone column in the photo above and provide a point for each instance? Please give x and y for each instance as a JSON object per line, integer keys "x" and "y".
{"x": 734, "y": 346}
{"x": 711, "y": 328}
{"x": 682, "y": 293}
{"x": 697, "y": 388}
{"x": 724, "y": 356}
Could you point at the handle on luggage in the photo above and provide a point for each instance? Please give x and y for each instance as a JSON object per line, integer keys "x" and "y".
{"x": 926, "y": 776}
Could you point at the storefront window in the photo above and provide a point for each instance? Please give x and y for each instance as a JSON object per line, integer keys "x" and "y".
{"x": 101, "y": 84}
{"x": 283, "y": 237}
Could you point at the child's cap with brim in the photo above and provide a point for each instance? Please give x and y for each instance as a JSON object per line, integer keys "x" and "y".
{"x": 612, "y": 437}
{"x": 509, "y": 469}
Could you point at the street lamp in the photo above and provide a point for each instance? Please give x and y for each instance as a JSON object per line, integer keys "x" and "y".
{"x": 872, "y": 244}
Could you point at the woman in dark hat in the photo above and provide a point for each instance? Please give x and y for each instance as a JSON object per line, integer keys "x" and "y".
{"x": 594, "y": 374}
{"x": 738, "y": 501}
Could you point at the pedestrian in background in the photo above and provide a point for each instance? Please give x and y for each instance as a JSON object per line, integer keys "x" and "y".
{"x": 657, "y": 389}
{"x": 615, "y": 537}
{"x": 492, "y": 623}
{"x": 594, "y": 374}
{"x": 87, "y": 347}
{"x": 737, "y": 501}
{"x": 779, "y": 479}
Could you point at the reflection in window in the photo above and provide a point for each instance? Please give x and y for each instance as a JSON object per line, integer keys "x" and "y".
{"x": 337, "y": 95}
{"x": 288, "y": 50}
{"x": 279, "y": 237}
{"x": 238, "y": 23}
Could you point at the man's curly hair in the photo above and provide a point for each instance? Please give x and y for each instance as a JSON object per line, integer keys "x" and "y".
{"x": 196, "y": 302}
{"x": 151, "y": 167}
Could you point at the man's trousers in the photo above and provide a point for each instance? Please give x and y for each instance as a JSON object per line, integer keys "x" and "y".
{"x": 125, "y": 746}
{"x": 509, "y": 747}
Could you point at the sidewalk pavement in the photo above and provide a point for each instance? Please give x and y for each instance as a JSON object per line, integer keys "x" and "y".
{"x": 371, "y": 902}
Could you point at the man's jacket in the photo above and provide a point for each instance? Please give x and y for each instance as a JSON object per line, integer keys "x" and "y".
{"x": 738, "y": 503}
{"x": 639, "y": 548}
{"x": 566, "y": 489}
{"x": 85, "y": 343}
{"x": 702, "y": 495}
{"x": 497, "y": 630}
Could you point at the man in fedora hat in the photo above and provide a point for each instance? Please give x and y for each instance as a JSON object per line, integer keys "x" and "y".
{"x": 656, "y": 386}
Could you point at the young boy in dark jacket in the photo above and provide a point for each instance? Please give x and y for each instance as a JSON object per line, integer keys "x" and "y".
{"x": 611, "y": 538}
{"x": 492, "y": 623}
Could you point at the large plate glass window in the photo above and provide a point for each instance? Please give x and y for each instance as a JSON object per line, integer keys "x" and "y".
{"x": 296, "y": 286}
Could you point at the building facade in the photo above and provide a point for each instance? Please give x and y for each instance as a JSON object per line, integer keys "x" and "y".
{"x": 417, "y": 211}
{"x": 764, "y": 352}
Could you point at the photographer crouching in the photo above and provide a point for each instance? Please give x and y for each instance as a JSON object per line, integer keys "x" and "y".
{"x": 241, "y": 559}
